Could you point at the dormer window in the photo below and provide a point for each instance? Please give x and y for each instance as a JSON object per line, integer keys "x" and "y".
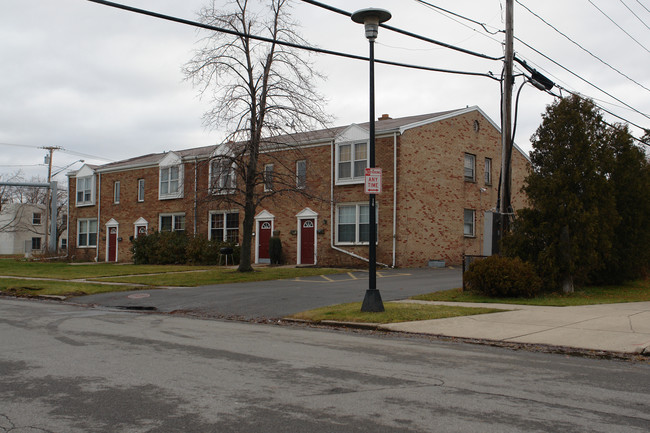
{"x": 222, "y": 176}
{"x": 352, "y": 161}
{"x": 85, "y": 196}
{"x": 170, "y": 177}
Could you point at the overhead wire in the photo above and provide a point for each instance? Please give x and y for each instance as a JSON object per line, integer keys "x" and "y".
{"x": 284, "y": 43}
{"x": 580, "y": 46}
{"x": 617, "y": 25}
{"x": 642, "y": 5}
{"x": 403, "y": 32}
{"x": 634, "y": 13}
{"x": 460, "y": 16}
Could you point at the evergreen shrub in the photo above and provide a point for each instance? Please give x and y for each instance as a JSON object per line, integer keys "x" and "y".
{"x": 503, "y": 277}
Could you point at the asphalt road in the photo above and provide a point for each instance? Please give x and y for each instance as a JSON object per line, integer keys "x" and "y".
{"x": 69, "y": 369}
{"x": 274, "y": 299}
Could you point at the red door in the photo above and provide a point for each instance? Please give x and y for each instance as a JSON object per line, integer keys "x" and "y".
{"x": 112, "y": 244}
{"x": 307, "y": 242}
{"x": 264, "y": 238}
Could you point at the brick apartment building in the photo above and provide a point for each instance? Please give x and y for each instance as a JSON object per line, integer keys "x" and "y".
{"x": 440, "y": 175}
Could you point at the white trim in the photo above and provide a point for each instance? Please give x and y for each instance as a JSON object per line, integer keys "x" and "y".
{"x": 138, "y": 223}
{"x": 357, "y": 216}
{"x": 352, "y": 180}
{"x": 144, "y": 185}
{"x": 307, "y": 214}
{"x": 262, "y": 217}
{"x": 173, "y": 215}
{"x": 112, "y": 223}
{"x": 90, "y": 202}
{"x": 87, "y": 220}
{"x": 225, "y": 222}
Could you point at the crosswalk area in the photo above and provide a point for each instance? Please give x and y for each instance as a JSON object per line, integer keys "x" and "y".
{"x": 349, "y": 276}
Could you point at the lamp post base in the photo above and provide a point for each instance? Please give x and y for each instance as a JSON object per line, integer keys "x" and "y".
{"x": 372, "y": 302}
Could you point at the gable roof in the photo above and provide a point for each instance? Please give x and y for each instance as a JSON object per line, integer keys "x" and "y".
{"x": 321, "y": 136}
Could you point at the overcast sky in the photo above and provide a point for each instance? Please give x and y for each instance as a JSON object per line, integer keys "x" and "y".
{"x": 105, "y": 84}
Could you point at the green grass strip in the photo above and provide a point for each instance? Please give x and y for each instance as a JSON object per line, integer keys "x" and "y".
{"x": 395, "y": 313}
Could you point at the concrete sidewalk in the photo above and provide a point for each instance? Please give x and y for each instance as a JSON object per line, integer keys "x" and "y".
{"x": 623, "y": 328}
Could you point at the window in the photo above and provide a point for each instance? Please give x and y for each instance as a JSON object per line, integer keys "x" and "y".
{"x": 85, "y": 191}
{"x": 301, "y": 174}
{"x": 353, "y": 224}
{"x": 86, "y": 233}
{"x": 172, "y": 222}
{"x": 116, "y": 192}
{"x": 222, "y": 176}
{"x": 36, "y": 218}
{"x": 171, "y": 182}
{"x": 140, "y": 189}
{"x": 224, "y": 226}
{"x": 488, "y": 171}
{"x": 36, "y": 243}
{"x": 64, "y": 243}
{"x": 268, "y": 177}
{"x": 470, "y": 167}
{"x": 352, "y": 160}
{"x": 468, "y": 222}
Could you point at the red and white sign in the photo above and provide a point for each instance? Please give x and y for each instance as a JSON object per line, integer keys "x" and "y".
{"x": 373, "y": 181}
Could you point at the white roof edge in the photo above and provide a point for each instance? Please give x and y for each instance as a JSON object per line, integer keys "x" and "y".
{"x": 460, "y": 112}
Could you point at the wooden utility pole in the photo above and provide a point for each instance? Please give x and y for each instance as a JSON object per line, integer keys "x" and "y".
{"x": 48, "y": 199}
{"x": 506, "y": 121}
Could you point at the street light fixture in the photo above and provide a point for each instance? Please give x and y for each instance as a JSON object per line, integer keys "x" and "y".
{"x": 371, "y": 18}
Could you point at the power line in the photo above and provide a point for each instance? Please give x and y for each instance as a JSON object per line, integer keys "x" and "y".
{"x": 580, "y": 46}
{"x": 459, "y": 16}
{"x": 404, "y": 32}
{"x": 284, "y": 43}
{"x": 71, "y": 152}
{"x": 616, "y": 24}
{"x": 642, "y": 5}
{"x": 634, "y": 13}
{"x": 583, "y": 79}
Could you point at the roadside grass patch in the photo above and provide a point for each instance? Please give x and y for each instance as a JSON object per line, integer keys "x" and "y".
{"x": 395, "y": 312}
{"x": 635, "y": 291}
{"x": 27, "y": 288}
{"x": 222, "y": 275}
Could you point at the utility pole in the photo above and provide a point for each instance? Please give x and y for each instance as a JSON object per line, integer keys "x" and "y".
{"x": 48, "y": 200}
{"x": 506, "y": 121}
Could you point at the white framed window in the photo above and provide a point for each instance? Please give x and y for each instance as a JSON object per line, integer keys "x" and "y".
{"x": 36, "y": 244}
{"x": 223, "y": 178}
{"x": 171, "y": 182}
{"x": 301, "y": 174}
{"x": 85, "y": 196}
{"x": 64, "y": 244}
{"x": 224, "y": 226}
{"x": 469, "y": 218}
{"x": 87, "y": 233}
{"x": 268, "y": 177}
{"x": 353, "y": 224}
{"x": 488, "y": 171}
{"x": 140, "y": 190}
{"x": 351, "y": 162}
{"x": 116, "y": 191}
{"x": 470, "y": 167}
{"x": 36, "y": 218}
{"x": 172, "y": 222}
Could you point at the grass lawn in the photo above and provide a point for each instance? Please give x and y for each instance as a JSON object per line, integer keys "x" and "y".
{"x": 222, "y": 275}
{"x": 635, "y": 291}
{"x": 18, "y": 287}
{"x": 67, "y": 271}
{"x": 395, "y": 312}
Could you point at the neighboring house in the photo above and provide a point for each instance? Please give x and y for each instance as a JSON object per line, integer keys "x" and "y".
{"x": 22, "y": 228}
{"x": 440, "y": 175}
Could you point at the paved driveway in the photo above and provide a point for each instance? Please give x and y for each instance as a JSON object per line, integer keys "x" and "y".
{"x": 273, "y": 299}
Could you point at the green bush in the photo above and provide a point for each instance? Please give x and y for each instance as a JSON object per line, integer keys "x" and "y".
{"x": 502, "y": 277}
{"x": 160, "y": 248}
{"x": 275, "y": 250}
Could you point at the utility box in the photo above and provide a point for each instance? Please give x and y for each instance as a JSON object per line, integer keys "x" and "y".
{"x": 491, "y": 233}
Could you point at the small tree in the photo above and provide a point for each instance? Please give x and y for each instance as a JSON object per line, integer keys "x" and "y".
{"x": 260, "y": 91}
{"x": 587, "y": 186}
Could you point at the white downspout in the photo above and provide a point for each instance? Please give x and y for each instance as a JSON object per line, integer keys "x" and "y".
{"x": 394, "y": 195}
{"x": 99, "y": 213}
{"x": 333, "y": 223}
{"x": 196, "y": 210}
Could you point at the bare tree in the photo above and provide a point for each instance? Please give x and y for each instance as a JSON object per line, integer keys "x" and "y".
{"x": 262, "y": 93}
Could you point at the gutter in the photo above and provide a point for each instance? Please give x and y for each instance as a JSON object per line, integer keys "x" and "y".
{"x": 99, "y": 213}
{"x": 394, "y": 196}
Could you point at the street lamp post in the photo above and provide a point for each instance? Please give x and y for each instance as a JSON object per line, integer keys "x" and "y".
{"x": 371, "y": 18}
